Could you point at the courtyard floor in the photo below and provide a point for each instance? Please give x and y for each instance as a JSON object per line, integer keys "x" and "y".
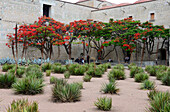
{"x": 129, "y": 99}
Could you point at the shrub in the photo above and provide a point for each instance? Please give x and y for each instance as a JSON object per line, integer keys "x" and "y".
{"x": 66, "y": 92}
{"x": 23, "y": 105}
{"x": 20, "y": 72}
{"x": 148, "y": 85}
{"x": 7, "y": 67}
{"x": 160, "y": 74}
{"x": 71, "y": 68}
{"x": 160, "y": 102}
{"x": 29, "y": 86}
{"x": 48, "y": 72}
{"x": 103, "y": 68}
{"x": 7, "y": 80}
{"x": 67, "y": 75}
{"x": 59, "y": 69}
{"x": 134, "y": 70}
{"x": 166, "y": 79}
{"x": 79, "y": 84}
{"x": 103, "y": 103}
{"x": 79, "y": 70}
{"x": 152, "y": 71}
{"x": 57, "y": 64}
{"x": 54, "y": 80}
{"x": 94, "y": 73}
{"x": 162, "y": 67}
{"x": 152, "y": 93}
{"x": 119, "y": 66}
{"x": 148, "y": 68}
{"x": 35, "y": 72}
{"x": 131, "y": 65}
{"x": 117, "y": 74}
{"x": 110, "y": 88}
{"x": 32, "y": 67}
{"x": 46, "y": 66}
{"x": 140, "y": 77}
{"x": 87, "y": 78}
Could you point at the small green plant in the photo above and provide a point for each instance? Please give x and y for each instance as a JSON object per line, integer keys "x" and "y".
{"x": 148, "y": 85}
{"x": 104, "y": 103}
{"x": 152, "y": 71}
{"x": 48, "y": 73}
{"x": 87, "y": 78}
{"x": 23, "y": 105}
{"x": 160, "y": 102}
{"x": 79, "y": 84}
{"x": 32, "y": 67}
{"x": 131, "y": 65}
{"x": 20, "y": 72}
{"x": 116, "y": 74}
{"x": 7, "y": 67}
{"x": 35, "y": 72}
{"x": 140, "y": 77}
{"x": 110, "y": 88}
{"x": 119, "y": 66}
{"x": 46, "y": 66}
{"x": 160, "y": 74}
{"x": 28, "y": 86}
{"x": 54, "y": 80}
{"x": 97, "y": 72}
{"x": 166, "y": 79}
{"x": 152, "y": 93}
{"x": 134, "y": 70}
{"x": 148, "y": 68}
{"x": 59, "y": 69}
{"x": 7, "y": 80}
{"x": 67, "y": 75}
{"x": 66, "y": 92}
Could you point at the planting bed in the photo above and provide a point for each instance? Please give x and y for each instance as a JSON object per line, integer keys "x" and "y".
{"x": 130, "y": 97}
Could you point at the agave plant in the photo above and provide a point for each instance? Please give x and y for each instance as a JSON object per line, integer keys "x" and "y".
{"x": 160, "y": 102}
{"x": 116, "y": 74}
{"x": 134, "y": 70}
{"x": 141, "y": 77}
{"x": 148, "y": 85}
{"x": 66, "y": 92}
{"x": 67, "y": 75}
{"x": 7, "y": 80}
{"x": 103, "y": 103}
{"x": 110, "y": 88}
{"x": 29, "y": 86}
{"x": 87, "y": 78}
{"x": 166, "y": 79}
{"x": 23, "y": 105}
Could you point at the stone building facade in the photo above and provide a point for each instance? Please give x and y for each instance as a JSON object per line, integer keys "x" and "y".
{"x": 28, "y": 11}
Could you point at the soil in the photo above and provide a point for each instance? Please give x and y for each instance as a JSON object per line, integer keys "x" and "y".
{"x": 129, "y": 99}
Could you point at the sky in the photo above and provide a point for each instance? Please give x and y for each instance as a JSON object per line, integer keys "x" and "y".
{"x": 112, "y": 1}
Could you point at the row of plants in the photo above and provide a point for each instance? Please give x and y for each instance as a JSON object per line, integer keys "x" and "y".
{"x": 161, "y": 72}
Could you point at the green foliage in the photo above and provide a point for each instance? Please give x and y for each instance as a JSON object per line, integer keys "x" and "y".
{"x": 162, "y": 67}
{"x": 20, "y": 72}
{"x": 110, "y": 88}
{"x": 148, "y": 68}
{"x": 46, "y": 66}
{"x": 76, "y": 69}
{"x": 134, "y": 70}
{"x": 34, "y": 71}
{"x": 97, "y": 72}
{"x": 87, "y": 78}
{"x": 148, "y": 85}
{"x": 152, "y": 71}
{"x": 57, "y": 64}
{"x": 7, "y": 67}
{"x": 160, "y": 102}
{"x": 102, "y": 67}
{"x": 166, "y": 79}
{"x": 79, "y": 84}
{"x": 131, "y": 65}
{"x": 119, "y": 66}
{"x": 54, "y": 80}
{"x": 160, "y": 74}
{"x": 23, "y": 105}
{"x": 66, "y": 92}
{"x": 7, "y": 80}
{"x": 67, "y": 75}
{"x": 28, "y": 86}
{"x": 152, "y": 93}
{"x": 103, "y": 103}
{"x": 59, "y": 69}
{"x": 140, "y": 77}
{"x": 116, "y": 74}
{"x": 48, "y": 72}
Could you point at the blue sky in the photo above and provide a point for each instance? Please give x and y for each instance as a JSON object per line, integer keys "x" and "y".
{"x": 113, "y": 1}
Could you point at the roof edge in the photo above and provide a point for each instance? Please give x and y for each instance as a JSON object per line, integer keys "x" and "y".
{"x": 123, "y": 5}
{"x": 77, "y": 4}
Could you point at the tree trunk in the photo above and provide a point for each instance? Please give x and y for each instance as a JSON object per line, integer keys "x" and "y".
{"x": 142, "y": 54}
{"x": 70, "y": 51}
{"x": 16, "y": 46}
{"x": 117, "y": 56}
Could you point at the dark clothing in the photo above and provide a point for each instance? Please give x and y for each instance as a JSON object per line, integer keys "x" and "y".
{"x": 77, "y": 60}
{"x": 88, "y": 59}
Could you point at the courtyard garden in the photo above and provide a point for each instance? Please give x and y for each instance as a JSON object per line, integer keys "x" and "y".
{"x": 42, "y": 85}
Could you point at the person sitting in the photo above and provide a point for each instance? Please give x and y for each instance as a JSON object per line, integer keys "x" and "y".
{"x": 77, "y": 60}
{"x": 127, "y": 59}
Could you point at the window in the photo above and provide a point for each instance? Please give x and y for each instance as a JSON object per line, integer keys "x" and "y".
{"x": 152, "y": 16}
{"x": 46, "y": 10}
{"x": 130, "y": 17}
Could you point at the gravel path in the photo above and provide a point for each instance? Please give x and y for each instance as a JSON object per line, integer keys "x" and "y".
{"x": 129, "y": 99}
